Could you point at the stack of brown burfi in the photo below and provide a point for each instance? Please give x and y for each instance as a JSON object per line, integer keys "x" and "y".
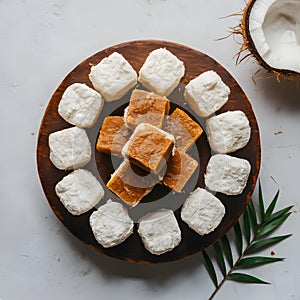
{"x": 180, "y": 168}
{"x": 185, "y": 130}
{"x": 131, "y": 183}
{"x": 149, "y": 147}
{"x": 153, "y": 145}
{"x": 146, "y": 107}
{"x": 113, "y": 136}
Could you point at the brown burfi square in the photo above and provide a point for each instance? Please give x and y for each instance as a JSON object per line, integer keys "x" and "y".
{"x": 185, "y": 130}
{"x": 113, "y": 136}
{"x": 149, "y": 147}
{"x": 180, "y": 169}
{"x": 146, "y": 107}
{"x": 130, "y": 183}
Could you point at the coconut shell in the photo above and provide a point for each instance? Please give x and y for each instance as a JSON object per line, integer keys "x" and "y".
{"x": 248, "y": 45}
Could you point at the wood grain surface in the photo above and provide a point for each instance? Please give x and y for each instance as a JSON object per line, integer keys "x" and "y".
{"x": 102, "y": 165}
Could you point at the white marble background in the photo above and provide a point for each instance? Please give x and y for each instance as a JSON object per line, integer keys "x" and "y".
{"x": 41, "y": 41}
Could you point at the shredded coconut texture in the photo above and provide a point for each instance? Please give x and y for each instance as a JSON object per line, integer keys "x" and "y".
{"x": 202, "y": 211}
{"x": 111, "y": 224}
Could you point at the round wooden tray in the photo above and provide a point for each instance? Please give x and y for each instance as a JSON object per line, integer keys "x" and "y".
{"x": 102, "y": 166}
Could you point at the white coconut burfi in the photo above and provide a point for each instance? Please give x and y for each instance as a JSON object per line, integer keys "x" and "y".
{"x": 69, "y": 148}
{"x": 80, "y": 105}
{"x": 79, "y": 191}
{"x": 228, "y": 131}
{"x": 202, "y": 211}
{"x": 161, "y": 72}
{"x": 206, "y": 93}
{"x": 227, "y": 174}
{"x": 113, "y": 77}
{"x": 111, "y": 224}
{"x": 159, "y": 231}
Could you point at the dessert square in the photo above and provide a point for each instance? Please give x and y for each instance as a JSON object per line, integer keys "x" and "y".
{"x": 146, "y": 107}
{"x": 113, "y": 77}
{"x": 161, "y": 72}
{"x": 185, "y": 130}
{"x": 159, "y": 231}
{"x": 130, "y": 183}
{"x": 206, "y": 93}
{"x": 149, "y": 147}
{"x": 79, "y": 191}
{"x": 228, "y": 131}
{"x": 113, "y": 136}
{"x": 80, "y": 105}
{"x": 111, "y": 224}
{"x": 227, "y": 174}
{"x": 180, "y": 168}
{"x": 69, "y": 148}
{"x": 202, "y": 211}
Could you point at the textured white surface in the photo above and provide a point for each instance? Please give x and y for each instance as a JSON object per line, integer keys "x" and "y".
{"x": 228, "y": 131}
{"x": 80, "y": 105}
{"x": 159, "y": 231}
{"x": 79, "y": 191}
{"x": 111, "y": 224}
{"x": 69, "y": 148}
{"x": 39, "y": 256}
{"x": 202, "y": 211}
{"x": 206, "y": 93}
{"x": 161, "y": 72}
{"x": 227, "y": 174}
{"x": 113, "y": 77}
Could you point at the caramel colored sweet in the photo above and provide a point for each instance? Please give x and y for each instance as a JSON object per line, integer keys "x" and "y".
{"x": 113, "y": 136}
{"x": 180, "y": 169}
{"x": 149, "y": 148}
{"x": 185, "y": 130}
{"x": 130, "y": 183}
{"x": 146, "y": 107}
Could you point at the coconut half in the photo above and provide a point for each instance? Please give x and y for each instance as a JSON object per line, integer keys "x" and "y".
{"x": 271, "y": 32}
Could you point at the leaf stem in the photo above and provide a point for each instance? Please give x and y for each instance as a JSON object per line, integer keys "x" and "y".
{"x": 241, "y": 256}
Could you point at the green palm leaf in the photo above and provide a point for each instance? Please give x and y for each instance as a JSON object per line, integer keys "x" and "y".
{"x": 246, "y": 278}
{"x": 257, "y": 260}
{"x": 227, "y": 250}
{"x": 252, "y": 215}
{"x": 266, "y": 229}
{"x": 261, "y": 203}
{"x": 220, "y": 257}
{"x": 210, "y": 268}
{"x": 254, "y": 234}
{"x": 265, "y": 243}
{"x": 247, "y": 226}
{"x": 239, "y": 237}
{"x": 277, "y": 215}
{"x": 271, "y": 207}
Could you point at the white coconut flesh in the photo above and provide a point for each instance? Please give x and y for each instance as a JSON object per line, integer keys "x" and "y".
{"x": 274, "y": 26}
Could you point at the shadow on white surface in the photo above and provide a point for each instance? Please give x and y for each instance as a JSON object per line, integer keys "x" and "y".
{"x": 111, "y": 268}
{"x": 284, "y": 95}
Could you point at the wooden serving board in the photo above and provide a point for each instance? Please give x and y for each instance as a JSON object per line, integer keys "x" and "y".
{"x": 102, "y": 165}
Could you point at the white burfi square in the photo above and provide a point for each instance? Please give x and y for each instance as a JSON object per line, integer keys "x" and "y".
{"x": 113, "y": 77}
{"x": 227, "y": 174}
{"x": 80, "y": 105}
{"x": 159, "y": 231}
{"x": 69, "y": 148}
{"x": 79, "y": 191}
{"x": 161, "y": 72}
{"x": 206, "y": 93}
{"x": 111, "y": 224}
{"x": 228, "y": 131}
{"x": 202, "y": 211}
